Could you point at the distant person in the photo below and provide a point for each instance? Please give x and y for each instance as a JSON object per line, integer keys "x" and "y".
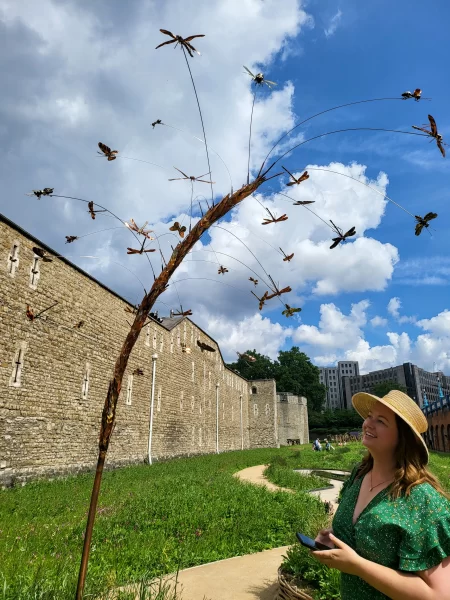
{"x": 317, "y": 445}
{"x": 328, "y": 446}
{"x": 390, "y": 536}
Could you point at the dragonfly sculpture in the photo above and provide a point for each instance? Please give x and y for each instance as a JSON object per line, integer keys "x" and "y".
{"x": 41, "y": 253}
{"x": 433, "y": 132}
{"x": 184, "y": 42}
{"x": 424, "y": 222}
{"x": 296, "y": 180}
{"x": 341, "y": 236}
{"x": 141, "y": 250}
{"x": 78, "y": 325}
{"x": 71, "y": 238}
{"x": 290, "y": 311}
{"x": 93, "y": 212}
{"x": 274, "y": 219}
{"x": 253, "y": 280}
{"x": 287, "y": 257}
{"x": 138, "y": 371}
{"x": 204, "y": 347}
{"x": 246, "y": 357}
{"x": 416, "y": 95}
{"x": 182, "y": 313}
{"x": 191, "y": 177}
{"x": 107, "y": 152}
{"x": 222, "y": 270}
{"x": 157, "y": 122}
{"x": 38, "y": 193}
{"x": 140, "y": 230}
{"x": 259, "y": 78}
{"x": 32, "y": 317}
{"x": 261, "y": 300}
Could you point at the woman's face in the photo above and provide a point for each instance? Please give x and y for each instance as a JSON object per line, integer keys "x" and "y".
{"x": 380, "y": 430}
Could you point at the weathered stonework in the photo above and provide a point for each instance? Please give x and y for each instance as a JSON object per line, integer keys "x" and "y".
{"x": 292, "y": 418}
{"x": 54, "y": 376}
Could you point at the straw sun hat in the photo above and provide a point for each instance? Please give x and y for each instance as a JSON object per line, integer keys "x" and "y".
{"x": 401, "y": 404}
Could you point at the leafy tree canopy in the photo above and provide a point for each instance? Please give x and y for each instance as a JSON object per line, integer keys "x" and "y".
{"x": 293, "y": 372}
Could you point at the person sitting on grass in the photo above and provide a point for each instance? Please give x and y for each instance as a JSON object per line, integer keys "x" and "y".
{"x": 390, "y": 536}
{"x": 317, "y": 445}
{"x": 328, "y": 445}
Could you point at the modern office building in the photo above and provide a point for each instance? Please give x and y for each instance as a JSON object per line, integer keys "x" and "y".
{"x": 333, "y": 378}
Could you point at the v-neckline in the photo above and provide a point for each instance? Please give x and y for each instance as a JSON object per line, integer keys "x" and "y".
{"x": 367, "y": 505}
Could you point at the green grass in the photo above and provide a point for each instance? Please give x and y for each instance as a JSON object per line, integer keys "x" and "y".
{"x": 153, "y": 520}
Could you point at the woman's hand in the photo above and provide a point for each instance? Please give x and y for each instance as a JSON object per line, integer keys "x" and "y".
{"x": 341, "y": 557}
{"x": 323, "y": 537}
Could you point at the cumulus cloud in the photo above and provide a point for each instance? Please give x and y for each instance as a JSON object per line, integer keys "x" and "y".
{"x": 378, "y": 321}
{"x": 393, "y": 309}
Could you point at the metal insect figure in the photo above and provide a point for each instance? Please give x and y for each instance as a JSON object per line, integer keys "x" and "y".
{"x": 107, "y": 152}
{"x": 341, "y": 236}
{"x": 303, "y": 202}
{"x": 274, "y": 219}
{"x": 131, "y": 311}
{"x": 38, "y": 193}
{"x": 287, "y": 258}
{"x": 261, "y": 300}
{"x": 296, "y": 180}
{"x": 247, "y": 357}
{"x": 71, "y": 238}
{"x": 433, "y": 132}
{"x": 290, "y": 311}
{"x": 39, "y": 252}
{"x": 140, "y": 230}
{"x": 138, "y": 372}
{"x": 204, "y": 347}
{"x": 278, "y": 292}
{"x": 32, "y": 317}
{"x": 141, "y": 250}
{"x": 424, "y": 221}
{"x": 255, "y": 281}
{"x": 191, "y": 177}
{"x": 259, "y": 78}
{"x": 184, "y": 42}
{"x": 79, "y": 325}
{"x": 416, "y": 95}
{"x": 222, "y": 270}
{"x": 157, "y": 122}
{"x": 176, "y": 227}
{"x": 181, "y": 313}
{"x": 93, "y": 212}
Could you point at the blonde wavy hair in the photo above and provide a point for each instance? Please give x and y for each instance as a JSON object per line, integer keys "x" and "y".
{"x": 411, "y": 464}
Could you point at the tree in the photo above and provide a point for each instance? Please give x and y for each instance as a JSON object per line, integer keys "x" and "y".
{"x": 293, "y": 372}
{"x": 384, "y": 387}
{"x": 296, "y": 374}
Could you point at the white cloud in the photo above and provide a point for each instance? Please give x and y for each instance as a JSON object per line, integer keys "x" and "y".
{"x": 378, "y": 321}
{"x": 417, "y": 271}
{"x": 333, "y": 24}
{"x": 438, "y": 325}
{"x": 393, "y": 309}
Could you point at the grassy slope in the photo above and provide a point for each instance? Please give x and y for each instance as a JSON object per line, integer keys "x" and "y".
{"x": 152, "y": 519}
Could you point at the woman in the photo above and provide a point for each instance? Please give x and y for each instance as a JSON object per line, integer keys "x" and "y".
{"x": 391, "y": 532}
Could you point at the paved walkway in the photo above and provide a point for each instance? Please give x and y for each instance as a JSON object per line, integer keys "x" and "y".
{"x": 250, "y": 577}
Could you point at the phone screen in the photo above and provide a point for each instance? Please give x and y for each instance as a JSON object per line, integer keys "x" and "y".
{"x": 310, "y": 543}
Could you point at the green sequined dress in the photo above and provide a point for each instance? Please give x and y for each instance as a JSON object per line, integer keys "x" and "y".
{"x": 406, "y": 534}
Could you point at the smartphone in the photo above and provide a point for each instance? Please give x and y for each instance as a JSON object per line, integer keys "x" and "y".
{"x": 310, "y": 543}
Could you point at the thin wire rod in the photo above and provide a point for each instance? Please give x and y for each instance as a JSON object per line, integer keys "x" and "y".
{"x": 366, "y": 184}
{"x": 340, "y": 131}
{"x": 144, "y": 161}
{"x": 215, "y": 281}
{"x": 318, "y": 115}
{"x": 201, "y": 119}
{"x": 99, "y": 231}
{"x": 115, "y": 216}
{"x": 307, "y": 208}
{"x": 202, "y": 141}
{"x": 250, "y": 135}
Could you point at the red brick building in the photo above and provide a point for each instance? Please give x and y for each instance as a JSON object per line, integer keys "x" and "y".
{"x": 438, "y": 416}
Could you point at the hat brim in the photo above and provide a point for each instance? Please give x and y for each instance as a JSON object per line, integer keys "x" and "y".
{"x": 363, "y": 403}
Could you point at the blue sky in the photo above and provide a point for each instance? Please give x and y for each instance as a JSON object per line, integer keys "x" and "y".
{"x": 77, "y": 72}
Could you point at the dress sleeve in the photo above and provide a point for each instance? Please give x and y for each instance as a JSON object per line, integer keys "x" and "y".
{"x": 426, "y": 541}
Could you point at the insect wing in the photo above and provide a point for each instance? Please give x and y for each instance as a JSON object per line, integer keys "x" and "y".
{"x": 433, "y": 126}
{"x": 175, "y": 226}
{"x": 421, "y": 129}
{"x": 165, "y": 43}
{"x": 191, "y": 37}
{"x": 249, "y": 72}
{"x": 417, "y": 93}
{"x": 419, "y": 227}
{"x": 429, "y": 216}
{"x": 350, "y": 232}
{"x": 336, "y": 241}
{"x": 441, "y": 147}
{"x": 167, "y": 32}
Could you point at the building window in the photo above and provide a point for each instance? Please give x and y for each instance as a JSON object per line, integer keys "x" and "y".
{"x": 171, "y": 343}
{"x": 254, "y": 390}
{"x": 154, "y": 338}
{"x": 267, "y": 410}
{"x": 129, "y": 389}
{"x": 158, "y": 404}
{"x": 209, "y": 379}
{"x": 147, "y": 336}
{"x": 178, "y": 337}
{"x": 193, "y": 371}
{"x": 161, "y": 342}
{"x": 35, "y": 273}
{"x": 181, "y": 401}
{"x": 13, "y": 259}
{"x": 85, "y": 385}
{"x": 192, "y": 403}
{"x": 255, "y": 409}
{"x": 16, "y": 375}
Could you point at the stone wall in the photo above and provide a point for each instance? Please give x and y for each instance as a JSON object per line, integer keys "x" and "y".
{"x": 437, "y": 436}
{"x": 292, "y": 418}
{"x": 263, "y": 418}
{"x": 54, "y": 376}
